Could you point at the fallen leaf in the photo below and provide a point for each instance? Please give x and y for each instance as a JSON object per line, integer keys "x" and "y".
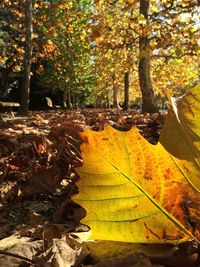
{"x": 137, "y": 192}
{"x": 18, "y": 251}
{"x": 183, "y": 126}
{"x": 21, "y": 250}
{"x": 133, "y": 260}
{"x": 165, "y": 254}
{"x": 64, "y": 252}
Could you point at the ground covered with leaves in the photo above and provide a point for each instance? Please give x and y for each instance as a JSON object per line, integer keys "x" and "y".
{"x": 38, "y": 220}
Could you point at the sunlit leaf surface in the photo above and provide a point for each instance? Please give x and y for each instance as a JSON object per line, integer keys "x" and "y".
{"x": 137, "y": 192}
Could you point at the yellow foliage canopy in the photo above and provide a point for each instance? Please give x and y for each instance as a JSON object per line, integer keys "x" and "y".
{"x": 134, "y": 191}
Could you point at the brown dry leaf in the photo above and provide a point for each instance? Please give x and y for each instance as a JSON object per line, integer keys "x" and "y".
{"x": 64, "y": 252}
{"x": 112, "y": 253}
{"x": 7, "y": 146}
{"x": 19, "y": 246}
{"x": 4, "y": 123}
{"x": 8, "y": 190}
{"x": 50, "y": 232}
{"x": 39, "y": 119}
{"x": 4, "y": 230}
{"x": 36, "y": 219}
{"x": 134, "y": 260}
{"x": 44, "y": 180}
{"x": 60, "y": 211}
{"x": 22, "y": 251}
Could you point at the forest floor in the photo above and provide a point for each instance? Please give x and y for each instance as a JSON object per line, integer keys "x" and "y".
{"x": 38, "y": 157}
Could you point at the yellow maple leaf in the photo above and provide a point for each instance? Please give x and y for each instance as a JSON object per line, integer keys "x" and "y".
{"x": 134, "y": 191}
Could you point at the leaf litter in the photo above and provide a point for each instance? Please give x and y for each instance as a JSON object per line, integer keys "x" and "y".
{"x": 39, "y": 155}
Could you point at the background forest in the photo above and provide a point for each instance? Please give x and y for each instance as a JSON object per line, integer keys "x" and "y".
{"x": 97, "y": 53}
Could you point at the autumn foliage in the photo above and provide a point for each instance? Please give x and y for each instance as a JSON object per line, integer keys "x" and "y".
{"x": 134, "y": 191}
{"x": 85, "y": 154}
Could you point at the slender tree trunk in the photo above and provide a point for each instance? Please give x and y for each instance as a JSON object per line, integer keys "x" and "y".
{"x": 73, "y": 101}
{"x": 115, "y": 97}
{"x": 67, "y": 103}
{"x": 64, "y": 100}
{"x": 69, "y": 100}
{"x": 115, "y": 93}
{"x": 107, "y": 101}
{"x": 148, "y": 97}
{"x": 126, "y": 90}
{"x": 27, "y": 60}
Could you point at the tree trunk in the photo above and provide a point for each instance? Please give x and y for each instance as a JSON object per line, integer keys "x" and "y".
{"x": 148, "y": 97}
{"x": 69, "y": 100}
{"x": 27, "y": 60}
{"x": 64, "y": 100}
{"x": 115, "y": 93}
{"x": 107, "y": 101}
{"x": 67, "y": 103}
{"x": 126, "y": 91}
{"x": 73, "y": 98}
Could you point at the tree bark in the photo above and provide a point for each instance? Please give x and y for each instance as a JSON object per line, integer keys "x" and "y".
{"x": 73, "y": 99}
{"x": 69, "y": 100}
{"x": 148, "y": 97}
{"x": 126, "y": 91}
{"x": 64, "y": 100}
{"x": 67, "y": 103}
{"x": 25, "y": 94}
{"x": 115, "y": 93}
